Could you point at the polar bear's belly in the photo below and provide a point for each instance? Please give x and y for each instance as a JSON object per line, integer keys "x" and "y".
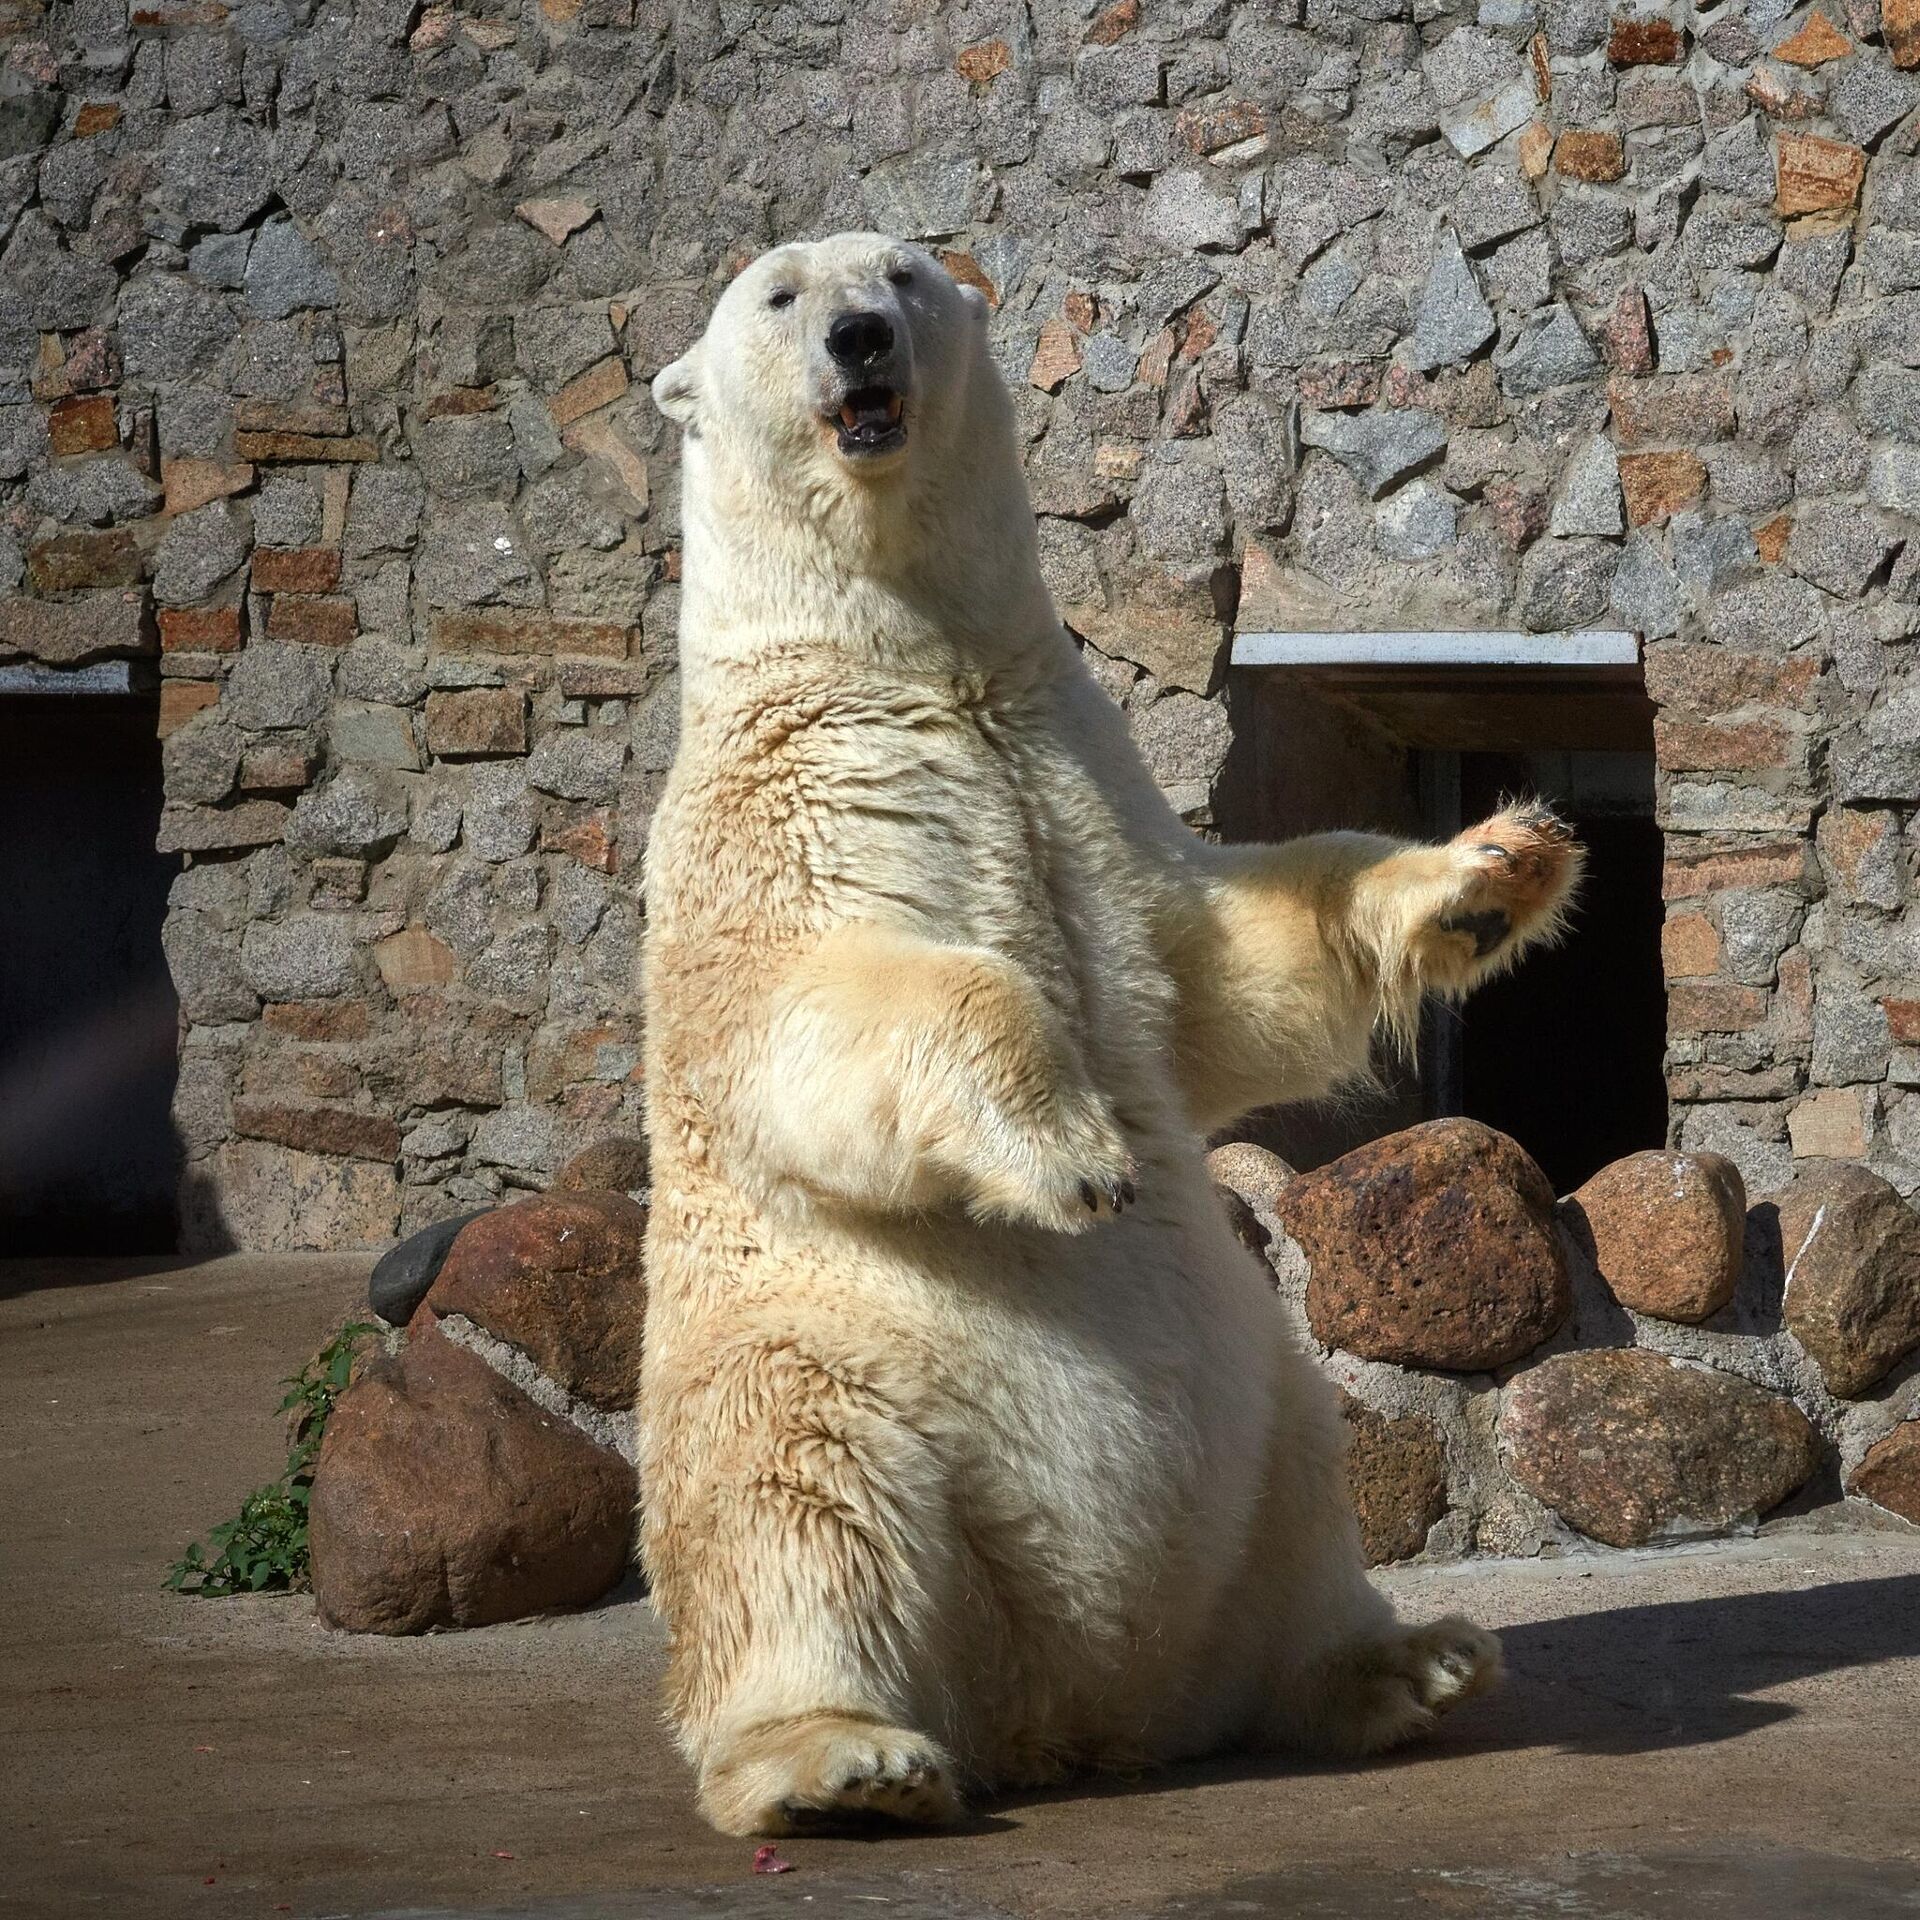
{"x": 1100, "y": 1405}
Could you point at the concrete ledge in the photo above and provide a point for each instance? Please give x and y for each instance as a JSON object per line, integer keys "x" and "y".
{"x": 1416, "y": 649}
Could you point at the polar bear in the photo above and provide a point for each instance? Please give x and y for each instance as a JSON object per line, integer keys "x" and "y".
{"x": 974, "y": 1448}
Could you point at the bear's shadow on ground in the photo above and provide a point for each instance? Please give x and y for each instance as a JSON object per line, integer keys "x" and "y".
{"x": 1623, "y": 1681}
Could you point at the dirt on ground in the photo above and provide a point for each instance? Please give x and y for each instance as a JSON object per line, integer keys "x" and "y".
{"x": 1710, "y": 1730}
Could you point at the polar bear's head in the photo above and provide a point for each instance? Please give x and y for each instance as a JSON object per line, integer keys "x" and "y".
{"x": 830, "y": 362}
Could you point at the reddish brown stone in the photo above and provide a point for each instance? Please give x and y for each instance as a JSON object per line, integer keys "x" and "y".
{"x": 592, "y": 841}
{"x": 1657, "y": 485}
{"x": 968, "y": 272}
{"x": 295, "y": 569}
{"x": 84, "y": 424}
{"x": 194, "y": 483}
{"x": 1519, "y": 513}
{"x": 561, "y": 1278}
{"x": 413, "y": 958}
{"x": 1815, "y": 175}
{"x": 516, "y": 632}
{"x": 1711, "y": 680}
{"x": 1056, "y": 357}
{"x": 253, "y": 823}
{"x": 1770, "y": 541}
{"x": 1645, "y": 43}
{"x": 97, "y": 116}
{"x": 199, "y": 629}
{"x": 1629, "y": 1446}
{"x": 618, "y": 1164}
{"x": 180, "y": 700}
{"x": 1433, "y": 1248}
{"x": 304, "y": 447}
{"x": 1112, "y": 23}
{"x": 277, "y": 766}
{"x": 1900, "y": 26}
{"x": 1852, "y": 1251}
{"x": 444, "y": 1497}
{"x": 1717, "y": 1008}
{"x": 982, "y": 63}
{"x": 1889, "y": 1475}
{"x": 314, "y": 413}
{"x": 1541, "y": 56}
{"x": 1663, "y": 408}
{"x": 453, "y": 403}
{"x": 600, "y": 386}
{"x": 320, "y": 620}
{"x": 1535, "y": 148}
{"x": 1589, "y": 155}
{"x": 108, "y": 557}
{"x": 336, "y": 1130}
{"x": 1397, "y": 1472}
{"x": 93, "y": 360}
{"x": 322, "y": 1020}
{"x": 1211, "y": 126}
{"x": 1197, "y": 333}
{"x": 1696, "y": 746}
{"x": 477, "y": 720}
{"x": 1340, "y": 383}
{"x": 1903, "y": 1021}
{"x": 1689, "y": 947}
{"x": 1734, "y": 1083}
{"x": 1818, "y": 41}
{"x": 1777, "y": 864}
{"x": 1665, "y": 1231}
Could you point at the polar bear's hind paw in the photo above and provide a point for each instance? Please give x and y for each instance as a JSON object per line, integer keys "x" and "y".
{"x": 830, "y": 1773}
{"x": 1395, "y": 1690}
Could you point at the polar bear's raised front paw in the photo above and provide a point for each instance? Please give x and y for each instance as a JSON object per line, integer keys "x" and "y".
{"x": 829, "y": 1772}
{"x": 1507, "y": 885}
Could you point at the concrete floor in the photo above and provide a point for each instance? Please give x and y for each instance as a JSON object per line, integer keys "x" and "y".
{"x": 1724, "y": 1731}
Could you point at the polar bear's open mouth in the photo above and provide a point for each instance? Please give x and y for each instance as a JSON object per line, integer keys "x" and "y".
{"x": 870, "y": 421}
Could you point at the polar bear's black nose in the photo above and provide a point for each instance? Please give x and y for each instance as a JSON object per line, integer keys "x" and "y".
{"x": 859, "y": 339}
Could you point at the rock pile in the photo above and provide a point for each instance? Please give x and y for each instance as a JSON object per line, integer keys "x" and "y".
{"x": 1703, "y": 1362}
{"x": 485, "y": 1470}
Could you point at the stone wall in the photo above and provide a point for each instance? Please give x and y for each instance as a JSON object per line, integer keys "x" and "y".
{"x": 323, "y": 335}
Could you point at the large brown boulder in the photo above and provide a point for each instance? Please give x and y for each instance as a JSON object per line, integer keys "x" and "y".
{"x": 1397, "y": 1470}
{"x": 1435, "y": 1247}
{"x": 560, "y": 1276}
{"x": 1889, "y": 1476}
{"x": 1666, "y": 1231}
{"x": 1851, "y": 1247}
{"x": 617, "y": 1164}
{"x": 444, "y": 1497}
{"x": 1628, "y": 1445}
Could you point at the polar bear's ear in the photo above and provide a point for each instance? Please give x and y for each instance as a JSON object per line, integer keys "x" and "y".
{"x": 974, "y": 300}
{"x": 676, "y": 391}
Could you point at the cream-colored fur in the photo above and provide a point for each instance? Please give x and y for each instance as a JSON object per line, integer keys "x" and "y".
{"x": 974, "y": 1448}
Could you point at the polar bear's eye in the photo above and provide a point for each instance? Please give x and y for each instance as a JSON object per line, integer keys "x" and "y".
{"x": 780, "y": 297}
{"x": 901, "y": 276}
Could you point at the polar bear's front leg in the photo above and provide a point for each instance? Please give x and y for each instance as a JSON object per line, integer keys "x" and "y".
{"x": 1300, "y": 952}
{"x": 899, "y": 1075}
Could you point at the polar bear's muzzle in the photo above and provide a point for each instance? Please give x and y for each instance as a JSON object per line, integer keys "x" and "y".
{"x": 869, "y": 417}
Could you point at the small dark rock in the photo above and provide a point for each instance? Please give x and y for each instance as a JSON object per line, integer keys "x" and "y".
{"x": 403, "y": 1274}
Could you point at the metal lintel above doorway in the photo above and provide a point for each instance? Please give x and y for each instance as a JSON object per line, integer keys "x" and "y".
{"x": 1475, "y": 692}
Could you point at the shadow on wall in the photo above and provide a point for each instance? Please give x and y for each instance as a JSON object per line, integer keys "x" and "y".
{"x": 89, "y": 1025}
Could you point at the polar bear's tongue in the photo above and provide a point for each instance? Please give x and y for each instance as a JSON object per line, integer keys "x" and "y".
{"x": 870, "y": 406}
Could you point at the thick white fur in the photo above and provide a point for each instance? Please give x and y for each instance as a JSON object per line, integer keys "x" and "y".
{"x": 952, "y": 1479}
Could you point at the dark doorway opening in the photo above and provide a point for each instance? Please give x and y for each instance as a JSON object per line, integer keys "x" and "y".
{"x": 89, "y": 1159}
{"x": 1566, "y": 1053}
